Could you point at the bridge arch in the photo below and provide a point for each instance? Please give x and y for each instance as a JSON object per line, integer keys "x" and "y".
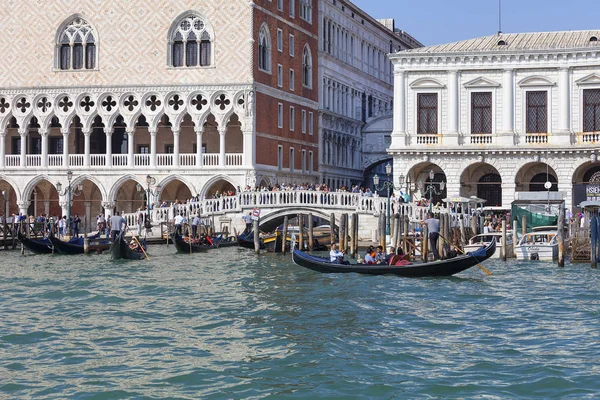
{"x": 275, "y": 217}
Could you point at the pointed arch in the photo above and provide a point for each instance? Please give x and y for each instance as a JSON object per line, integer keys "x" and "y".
{"x": 112, "y": 195}
{"x": 190, "y": 41}
{"x": 264, "y": 48}
{"x": 77, "y": 44}
{"x": 307, "y": 65}
{"x": 208, "y": 185}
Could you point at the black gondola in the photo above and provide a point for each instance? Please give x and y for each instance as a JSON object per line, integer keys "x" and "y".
{"x": 121, "y": 250}
{"x": 246, "y": 240}
{"x": 75, "y": 245}
{"x": 228, "y": 241}
{"x": 38, "y": 246}
{"x": 418, "y": 270}
{"x": 185, "y": 247}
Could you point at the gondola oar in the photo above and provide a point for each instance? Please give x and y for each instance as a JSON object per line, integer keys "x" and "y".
{"x": 139, "y": 244}
{"x": 479, "y": 265}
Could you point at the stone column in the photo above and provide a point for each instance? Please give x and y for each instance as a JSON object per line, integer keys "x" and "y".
{"x": 508, "y": 108}
{"x": 130, "y": 147}
{"x": 249, "y": 148}
{"x": 65, "y": 133}
{"x": 88, "y": 216}
{"x": 108, "y": 208}
{"x": 44, "y": 134}
{"x": 222, "y": 132}
{"x": 199, "y": 161}
{"x": 453, "y": 102}
{"x": 153, "y": 131}
{"x": 23, "y": 134}
{"x": 399, "y": 130}
{"x": 35, "y": 198}
{"x": 564, "y": 108}
{"x": 2, "y": 148}
{"x": 175, "y": 147}
{"x": 47, "y": 208}
{"x": 86, "y": 157}
{"x": 108, "y": 132}
{"x": 23, "y": 206}
{"x": 565, "y": 186}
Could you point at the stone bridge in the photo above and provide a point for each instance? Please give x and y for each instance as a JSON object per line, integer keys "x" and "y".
{"x": 226, "y": 212}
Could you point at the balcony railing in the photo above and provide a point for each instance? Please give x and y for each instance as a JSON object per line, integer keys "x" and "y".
{"x": 536, "y": 138}
{"x": 480, "y": 138}
{"x": 588, "y": 137}
{"x": 77, "y": 161}
{"x": 429, "y": 139}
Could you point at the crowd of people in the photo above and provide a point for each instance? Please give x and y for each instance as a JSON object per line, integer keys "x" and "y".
{"x": 44, "y": 224}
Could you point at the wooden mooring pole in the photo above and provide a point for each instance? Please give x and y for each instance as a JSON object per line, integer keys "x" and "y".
{"x": 523, "y": 225}
{"x": 256, "y": 237}
{"x": 311, "y": 233}
{"x": 352, "y": 236}
{"x": 396, "y": 226}
{"x": 355, "y": 249}
{"x": 332, "y": 228}
{"x": 424, "y": 243}
{"x": 382, "y": 230}
{"x": 514, "y": 237}
{"x": 301, "y": 232}
{"x": 561, "y": 237}
{"x": 594, "y": 239}
{"x": 285, "y": 233}
{"x": 405, "y": 230}
{"x": 343, "y": 232}
{"x": 503, "y": 248}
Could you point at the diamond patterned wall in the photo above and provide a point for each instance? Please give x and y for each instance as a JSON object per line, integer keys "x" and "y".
{"x": 132, "y": 42}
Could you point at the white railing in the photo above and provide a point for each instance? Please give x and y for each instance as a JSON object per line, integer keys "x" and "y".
{"x": 141, "y": 160}
{"x": 481, "y": 139}
{"x": 588, "y": 137}
{"x": 33, "y": 160}
{"x": 187, "y": 160}
{"x": 164, "y": 160}
{"x": 536, "y": 138}
{"x": 233, "y": 159}
{"x": 13, "y": 160}
{"x": 119, "y": 160}
{"x": 76, "y": 160}
{"x": 429, "y": 139}
{"x": 55, "y": 160}
{"x": 210, "y": 160}
{"x": 97, "y": 160}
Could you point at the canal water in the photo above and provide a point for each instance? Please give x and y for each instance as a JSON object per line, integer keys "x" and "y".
{"x": 228, "y": 324}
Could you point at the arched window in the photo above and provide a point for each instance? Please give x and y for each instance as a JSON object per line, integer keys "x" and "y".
{"x": 264, "y": 49}
{"x": 190, "y": 42}
{"x": 76, "y": 47}
{"x": 538, "y": 181}
{"x": 306, "y": 67}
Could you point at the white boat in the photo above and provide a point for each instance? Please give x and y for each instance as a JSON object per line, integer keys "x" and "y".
{"x": 485, "y": 239}
{"x": 539, "y": 245}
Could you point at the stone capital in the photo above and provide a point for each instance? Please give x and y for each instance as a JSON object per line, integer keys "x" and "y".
{"x": 108, "y": 205}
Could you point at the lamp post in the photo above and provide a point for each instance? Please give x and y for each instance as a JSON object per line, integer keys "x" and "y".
{"x": 69, "y": 191}
{"x": 150, "y": 181}
{"x": 388, "y": 185}
{"x": 431, "y": 188}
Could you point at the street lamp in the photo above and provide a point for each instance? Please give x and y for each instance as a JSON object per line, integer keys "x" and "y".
{"x": 388, "y": 185}
{"x": 69, "y": 191}
{"x": 150, "y": 181}
{"x": 431, "y": 188}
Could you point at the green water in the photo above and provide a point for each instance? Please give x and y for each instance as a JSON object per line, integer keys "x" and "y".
{"x": 228, "y": 324}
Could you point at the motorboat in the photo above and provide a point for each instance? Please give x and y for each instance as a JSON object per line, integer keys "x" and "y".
{"x": 484, "y": 239}
{"x": 538, "y": 245}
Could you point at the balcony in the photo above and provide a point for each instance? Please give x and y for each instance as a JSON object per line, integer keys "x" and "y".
{"x": 142, "y": 161}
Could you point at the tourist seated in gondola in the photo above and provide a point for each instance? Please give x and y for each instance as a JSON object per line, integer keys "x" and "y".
{"x": 370, "y": 256}
{"x": 133, "y": 245}
{"x": 399, "y": 259}
{"x": 380, "y": 256}
{"x": 336, "y": 256}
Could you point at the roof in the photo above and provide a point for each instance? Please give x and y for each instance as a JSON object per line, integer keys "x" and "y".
{"x": 517, "y": 42}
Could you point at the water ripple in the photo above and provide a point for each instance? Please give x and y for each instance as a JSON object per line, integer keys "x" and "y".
{"x": 231, "y": 325}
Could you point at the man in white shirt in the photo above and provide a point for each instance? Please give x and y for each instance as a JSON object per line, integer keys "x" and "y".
{"x": 178, "y": 220}
{"x": 335, "y": 255}
{"x": 195, "y": 223}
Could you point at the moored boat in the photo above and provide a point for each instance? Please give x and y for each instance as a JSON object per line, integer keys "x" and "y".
{"x": 485, "y": 238}
{"x": 76, "y": 245}
{"x": 447, "y": 267}
{"x": 538, "y": 245}
{"x": 38, "y": 246}
{"x": 246, "y": 240}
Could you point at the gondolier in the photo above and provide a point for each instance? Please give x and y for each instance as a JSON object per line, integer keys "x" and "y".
{"x": 433, "y": 227}
{"x": 116, "y": 223}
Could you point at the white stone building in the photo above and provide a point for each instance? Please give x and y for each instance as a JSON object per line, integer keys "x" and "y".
{"x": 356, "y": 81}
{"x": 501, "y": 114}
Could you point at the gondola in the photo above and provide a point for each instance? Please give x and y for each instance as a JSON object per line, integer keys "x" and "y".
{"x": 228, "y": 241}
{"x": 418, "y": 270}
{"x": 38, "y": 246}
{"x": 246, "y": 240}
{"x": 119, "y": 249}
{"x": 75, "y": 245}
{"x": 183, "y": 246}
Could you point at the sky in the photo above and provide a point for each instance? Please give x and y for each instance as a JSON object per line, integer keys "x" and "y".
{"x": 444, "y": 21}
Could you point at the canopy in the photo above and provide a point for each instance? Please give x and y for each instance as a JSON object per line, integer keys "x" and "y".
{"x": 461, "y": 199}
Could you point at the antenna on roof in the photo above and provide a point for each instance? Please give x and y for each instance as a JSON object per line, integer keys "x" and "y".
{"x": 499, "y": 17}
